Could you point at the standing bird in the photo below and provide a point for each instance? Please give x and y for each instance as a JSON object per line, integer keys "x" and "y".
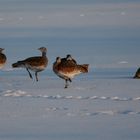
{"x": 137, "y": 74}
{"x": 36, "y": 63}
{"x": 67, "y": 69}
{"x": 2, "y": 58}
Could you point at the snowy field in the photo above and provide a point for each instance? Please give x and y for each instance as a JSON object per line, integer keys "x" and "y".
{"x": 103, "y": 104}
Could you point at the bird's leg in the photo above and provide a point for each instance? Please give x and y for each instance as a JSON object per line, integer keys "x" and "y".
{"x": 70, "y": 80}
{"x": 29, "y": 73}
{"x": 36, "y": 76}
{"x": 66, "y": 85}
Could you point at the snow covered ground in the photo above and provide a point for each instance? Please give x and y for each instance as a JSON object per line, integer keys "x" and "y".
{"x": 103, "y": 104}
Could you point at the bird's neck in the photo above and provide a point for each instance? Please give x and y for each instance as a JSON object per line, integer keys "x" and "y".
{"x": 43, "y": 54}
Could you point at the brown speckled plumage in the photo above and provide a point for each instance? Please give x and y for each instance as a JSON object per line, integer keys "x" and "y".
{"x": 68, "y": 69}
{"x": 137, "y": 74}
{"x": 2, "y": 58}
{"x": 36, "y": 64}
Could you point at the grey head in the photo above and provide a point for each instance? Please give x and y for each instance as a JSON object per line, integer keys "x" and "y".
{"x": 43, "y": 49}
{"x": 1, "y": 49}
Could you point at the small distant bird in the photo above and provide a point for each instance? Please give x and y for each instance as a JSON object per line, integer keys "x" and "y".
{"x": 137, "y": 74}
{"x": 2, "y": 58}
{"x": 68, "y": 69}
{"x": 36, "y": 64}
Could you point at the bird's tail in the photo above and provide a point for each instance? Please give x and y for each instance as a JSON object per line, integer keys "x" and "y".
{"x": 18, "y": 64}
{"x": 84, "y": 68}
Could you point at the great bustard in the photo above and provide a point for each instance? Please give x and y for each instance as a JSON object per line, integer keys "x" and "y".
{"x": 67, "y": 68}
{"x": 137, "y": 74}
{"x": 36, "y": 63}
{"x": 2, "y": 58}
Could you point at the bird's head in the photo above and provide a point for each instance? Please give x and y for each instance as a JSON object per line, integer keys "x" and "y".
{"x": 69, "y": 57}
{"x": 1, "y": 49}
{"x": 58, "y": 59}
{"x": 42, "y": 49}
